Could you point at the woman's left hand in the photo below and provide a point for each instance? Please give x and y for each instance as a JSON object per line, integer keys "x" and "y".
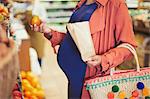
{"x": 94, "y": 61}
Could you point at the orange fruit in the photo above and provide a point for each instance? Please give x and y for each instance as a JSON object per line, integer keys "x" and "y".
{"x": 40, "y": 89}
{"x": 35, "y": 20}
{"x": 34, "y": 91}
{"x": 38, "y": 86}
{"x": 34, "y": 82}
{"x": 40, "y": 94}
{"x": 23, "y": 88}
{"x": 5, "y": 10}
{"x": 27, "y": 93}
{"x": 4, "y": 14}
{"x": 23, "y": 74}
{"x": 25, "y": 82}
{"x": 1, "y": 18}
{"x": 29, "y": 76}
{"x": 33, "y": 97}
{"x": 28, "y": 87}
{"x": 26, "y": 98}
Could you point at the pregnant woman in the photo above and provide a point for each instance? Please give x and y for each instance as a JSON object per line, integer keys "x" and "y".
{"x": 110, "y": 26}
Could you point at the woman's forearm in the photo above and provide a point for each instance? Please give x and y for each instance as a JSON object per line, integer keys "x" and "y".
{"x": 114, "y": 57}
{"x": 55, "y": 37}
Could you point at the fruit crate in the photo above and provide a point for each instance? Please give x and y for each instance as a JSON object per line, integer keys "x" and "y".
{"x": 9, "y": 69}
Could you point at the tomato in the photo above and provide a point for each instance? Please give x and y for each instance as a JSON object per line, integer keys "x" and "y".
{"x": 17, "y": 94}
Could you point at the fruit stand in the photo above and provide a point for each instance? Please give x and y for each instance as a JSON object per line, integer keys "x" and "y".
{"x": 16, "y": 79}
{"x": 31, "y": 86}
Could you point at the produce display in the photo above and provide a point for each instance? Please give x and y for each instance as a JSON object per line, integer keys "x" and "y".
{"x": 3, "y": 11}
{"x": 28, "y": 86}
{"x": 141, "y": 20}
{"x": 31, "y": 86}
{"x": 4, "y": 20}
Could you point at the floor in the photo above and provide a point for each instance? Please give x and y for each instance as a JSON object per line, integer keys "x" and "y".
{"x": 53, "y": 79}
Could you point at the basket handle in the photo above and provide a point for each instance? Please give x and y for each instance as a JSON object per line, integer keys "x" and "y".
{"x": 133, "y": 51}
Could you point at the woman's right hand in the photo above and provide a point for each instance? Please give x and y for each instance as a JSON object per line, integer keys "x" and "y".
{"x": 43, "y": 28}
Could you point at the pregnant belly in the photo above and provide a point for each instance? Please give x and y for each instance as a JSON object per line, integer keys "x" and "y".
{"x": 68, "y": 54}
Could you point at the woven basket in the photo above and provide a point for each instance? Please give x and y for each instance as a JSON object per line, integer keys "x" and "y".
{"x": 9, "y": 68}
{"x": 121, "y": 84}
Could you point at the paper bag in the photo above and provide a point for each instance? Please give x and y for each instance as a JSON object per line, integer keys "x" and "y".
{"x": 81, "y": 35}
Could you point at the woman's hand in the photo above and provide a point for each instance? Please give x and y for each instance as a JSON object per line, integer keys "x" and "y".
{"x": 43, "y": 28}
{"x": 94, "y": 61}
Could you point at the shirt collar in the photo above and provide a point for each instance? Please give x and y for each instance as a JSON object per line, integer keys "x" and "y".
{"x": 99, "y": 2}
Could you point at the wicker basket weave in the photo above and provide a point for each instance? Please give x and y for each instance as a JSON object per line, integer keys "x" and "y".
{"x": 9, "y": 68}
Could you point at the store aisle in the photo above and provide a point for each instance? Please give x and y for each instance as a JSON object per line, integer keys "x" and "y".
{"x": 53, "y": 80}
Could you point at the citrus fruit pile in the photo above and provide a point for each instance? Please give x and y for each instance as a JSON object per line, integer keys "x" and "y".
{"x": 3, "y": 12}
{"x": 31, "y": 86}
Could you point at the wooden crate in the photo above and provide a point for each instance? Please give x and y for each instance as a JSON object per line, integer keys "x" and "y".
{"x": 24, "y": 57}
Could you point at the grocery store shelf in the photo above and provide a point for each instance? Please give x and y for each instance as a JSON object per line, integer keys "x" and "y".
{"x": 146, "y": 0}
{"x": 62, "y": 6}
{"x": 56, "y": 0}
{"x": 142, "y": 30}
{"x": 132, "y": 3}
{"x": 145, "y": 4}
{"x": 59, "y": 14}
{"x": 61, "y": 28}
{"x": 142, "y": 7}
{"x": 58, "y": 20}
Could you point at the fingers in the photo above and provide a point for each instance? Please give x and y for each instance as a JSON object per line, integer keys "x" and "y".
{"x": 36, "y": 28}
{"x": 93, "y": 58}
{"x": 94, "y": 61}
{"x": 31, "y": 26}
{"x": 96, "y": 57}
{"x": 41, "y": 28}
